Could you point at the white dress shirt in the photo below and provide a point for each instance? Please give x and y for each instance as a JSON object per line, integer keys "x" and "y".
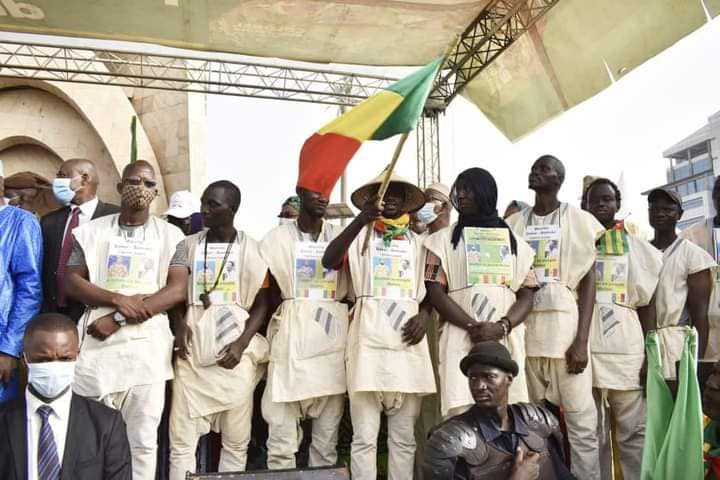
{"x": 58, "y": 423}
{"x": 87, "y": 210}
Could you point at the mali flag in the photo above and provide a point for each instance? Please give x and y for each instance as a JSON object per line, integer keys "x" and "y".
{"x": 394, "y": 110}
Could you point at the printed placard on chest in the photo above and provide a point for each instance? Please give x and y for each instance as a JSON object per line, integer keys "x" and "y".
{"x": 393, "y": 269}
{"x": 488, "y": 256}
{"x": 209, "y": 269}
{"x": 611, "y": 272}
{"x": 132, "y": 266}
{"x": 312, "y": 280}
{"x": 545, "y": 240}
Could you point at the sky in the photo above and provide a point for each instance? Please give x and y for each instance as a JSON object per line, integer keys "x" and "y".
{"x": 624, "y": 129}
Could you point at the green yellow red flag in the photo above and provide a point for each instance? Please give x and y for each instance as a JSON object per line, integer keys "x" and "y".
{"x": 394, "y": 110}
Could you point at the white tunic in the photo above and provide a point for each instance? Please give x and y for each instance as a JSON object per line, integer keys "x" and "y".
{"x": 455, "y": 342}
{"x": 135, "y": 354}
{"x": 377, "y": 358}
{"x": 552, "y": 325}
{"x": 701, "y": 234}
{"x": 210, "y": 389}
{"x": 617, "y": 342}
{"x": 681, "y": 259}
{"x": 307, "y": 337}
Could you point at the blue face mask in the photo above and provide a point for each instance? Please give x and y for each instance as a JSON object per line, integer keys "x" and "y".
{"x": 427, "y": 213}
{"x": 62, "y": 190}
{"x": 49, "y": 379}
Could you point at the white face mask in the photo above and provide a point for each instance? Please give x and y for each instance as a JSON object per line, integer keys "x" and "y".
{"x": 285, "y": 221}
{"x": 49, "y": 379}
{"x": 427, "y": 213}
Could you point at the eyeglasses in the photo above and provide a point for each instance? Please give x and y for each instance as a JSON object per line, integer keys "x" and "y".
{"x": 135, "y": 181}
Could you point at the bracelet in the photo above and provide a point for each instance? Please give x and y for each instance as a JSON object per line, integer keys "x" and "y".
{"x": 506, "y": 321}
{"x": 504, "y": 327}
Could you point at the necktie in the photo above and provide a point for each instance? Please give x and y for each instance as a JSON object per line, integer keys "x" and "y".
{"x": 65, "y": 251}
{"x": 48, "y": 464}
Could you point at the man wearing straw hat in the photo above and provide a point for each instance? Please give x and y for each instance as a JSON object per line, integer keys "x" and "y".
{"x": 387, "y": 357}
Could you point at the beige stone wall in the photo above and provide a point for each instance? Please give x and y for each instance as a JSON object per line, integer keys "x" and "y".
{"x": 27, "y": 157}
{"x": 175, "y": 126}
{"x": 30, "y": 117}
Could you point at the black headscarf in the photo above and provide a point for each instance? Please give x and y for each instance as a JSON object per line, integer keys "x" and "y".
{"x": 484, "y": 187}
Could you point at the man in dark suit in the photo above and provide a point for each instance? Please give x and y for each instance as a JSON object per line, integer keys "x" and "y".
{"x": 50, "y": 433}
{"x": 76, "y": 188}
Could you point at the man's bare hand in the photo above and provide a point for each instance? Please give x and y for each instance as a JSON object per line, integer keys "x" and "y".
{"x": 132, "y": 307}
{"x": 103, "y": 327}
{"x": 8, "y": 365}
{"x": 370, "y": 211}
{"x": 414, "y": 329}
{"x": 576, "y": 357}
{"x": 231, "y": 355}
{"x": 526, "y": 466}
{"x": 484, "y": 331}
{"x": 183, "y": 340}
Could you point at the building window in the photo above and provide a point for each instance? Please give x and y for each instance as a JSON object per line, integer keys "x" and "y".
{"x": 689, "y": 222}
{"x": 694, "y": 203}
{"x": 682, "y": 171}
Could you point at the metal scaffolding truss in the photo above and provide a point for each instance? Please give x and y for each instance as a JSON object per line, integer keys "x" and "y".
{"x": 499, "y": 24}
{"x": 188, "y": 74}
{"x": 428, "y": 149}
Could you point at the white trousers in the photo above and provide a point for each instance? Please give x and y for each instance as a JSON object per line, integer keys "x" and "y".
{"x": 234, "y": 424}
{"x": 548, "y": 379}
{"x": 141, "y": 408}
{"x": 627, "y": 409}
{"x": 402, "y": 411}
{"x": 285, "y": 434}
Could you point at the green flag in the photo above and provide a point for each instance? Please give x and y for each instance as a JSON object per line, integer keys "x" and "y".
{"x": 678, "y": 427}
{"x": 133, "y": 139}
{"x": 659, "y": 408}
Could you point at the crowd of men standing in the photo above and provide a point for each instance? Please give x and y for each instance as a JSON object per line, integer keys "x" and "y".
{"x": 472, "y": 337}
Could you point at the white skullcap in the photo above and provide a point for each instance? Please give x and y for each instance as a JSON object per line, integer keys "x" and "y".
{"x": 440, "y": 188}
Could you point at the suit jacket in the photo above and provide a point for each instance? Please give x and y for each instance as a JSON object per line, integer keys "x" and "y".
{"x": 96, "y": 447}
{"x": 53, "y": 228}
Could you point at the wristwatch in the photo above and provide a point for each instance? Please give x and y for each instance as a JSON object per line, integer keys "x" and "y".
{"x": 120, "y": 319}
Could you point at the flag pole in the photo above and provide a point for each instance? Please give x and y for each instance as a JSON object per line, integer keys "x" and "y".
{"x": 389, "y": 170}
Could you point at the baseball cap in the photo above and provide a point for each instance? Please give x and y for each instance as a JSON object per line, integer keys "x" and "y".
{"x": 182, "y": 204}
{"x": 669, "y": 194}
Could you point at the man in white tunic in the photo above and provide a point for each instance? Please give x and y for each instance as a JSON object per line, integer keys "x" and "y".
{"x": 126, "y": 343}
{"x": 557, "y": 329}
{"x": 221, "y": 357}
{"x": 685, "y": 285}
{"x": 484, "y": 299}
{"x": 627, "y": 270}
{"x": 388, "y": 363}
{"x": 308, "y": 332}
{"x": 706, "y": 235}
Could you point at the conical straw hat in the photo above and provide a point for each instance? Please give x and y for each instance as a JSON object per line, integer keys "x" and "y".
{"x": 414, "y": 197}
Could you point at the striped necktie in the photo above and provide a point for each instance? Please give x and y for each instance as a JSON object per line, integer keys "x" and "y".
{"x": 48, "y": 464}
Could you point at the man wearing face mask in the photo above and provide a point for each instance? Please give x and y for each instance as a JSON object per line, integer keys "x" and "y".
{"x": 20, "y": 263}
{"x": 306, "y": 375}
{"x": 125, "y": 358}
{"x": 388, "y": 361}
{"x": 436, "y": 211}
{"x": 76, "y": 188}
{"x": 50, "y": 432}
